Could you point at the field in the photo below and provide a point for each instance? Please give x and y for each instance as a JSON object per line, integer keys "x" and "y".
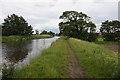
{"x": 95, "y": 60}
{"x": 20, "y": 38}
{"x": 98, "y": 62}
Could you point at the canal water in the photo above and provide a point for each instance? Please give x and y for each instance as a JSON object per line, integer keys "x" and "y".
{"x": 21, "y": 52}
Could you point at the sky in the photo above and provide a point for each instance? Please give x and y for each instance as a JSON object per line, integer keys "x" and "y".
{"x": 44, "y": 14}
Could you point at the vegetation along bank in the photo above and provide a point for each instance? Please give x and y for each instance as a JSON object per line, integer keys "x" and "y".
{"x": 95, "y": 60}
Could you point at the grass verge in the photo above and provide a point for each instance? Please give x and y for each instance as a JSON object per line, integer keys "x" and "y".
{"x": 98, "y": 62}
{"x": 102, "y": 41}
{"x": 52, "y": 63}
{"x": 107, "y": 43}
{"x": 20, "y": 38}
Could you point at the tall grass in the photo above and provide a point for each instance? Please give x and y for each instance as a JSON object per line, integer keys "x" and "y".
{"x": 98, "y": 62}
{"x": 52, "y": 63}
{"x": 20, "y": 38}
{"x": 101, "y": 40}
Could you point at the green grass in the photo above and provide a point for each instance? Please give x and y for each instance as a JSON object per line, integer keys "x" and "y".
{"x": 107, "y": 43}
{"x": 20, "y": 38}
{"x": 52, "y": 63}
{"x": 102, "y": 41}
{"x": 98, "y": 62}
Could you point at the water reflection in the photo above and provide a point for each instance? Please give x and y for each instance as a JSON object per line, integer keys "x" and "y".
{"x": 16, "y": 51}
{"x": 21, "y": 52}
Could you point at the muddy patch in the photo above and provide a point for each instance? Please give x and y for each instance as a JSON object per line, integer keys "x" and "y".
{"x": 74, "y": 70}
{"x": 115, "y": 48}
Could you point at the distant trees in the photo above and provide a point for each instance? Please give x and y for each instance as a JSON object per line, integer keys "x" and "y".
{"x": 45, "y": 32}
{"x": 36, "y": 32}
{"x": 111, "y": 30}
{"x": 51, "y": 33}
{"x": 77, "y": 25}
{"x": 16, "y": 25}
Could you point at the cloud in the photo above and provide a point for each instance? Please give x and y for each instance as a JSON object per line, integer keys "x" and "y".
{"x": 44, "y": 14}
{"x": 103, "y": 1}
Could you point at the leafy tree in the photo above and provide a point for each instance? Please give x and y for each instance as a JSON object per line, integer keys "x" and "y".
{"x": 51, "y": 33}
{"x": 110, "y": 30}
{"x": 15, "y": 25}
{"x": 44, "y": 32}
{"x": 92, "y": 34}
{"x": 36, "y": 32}
{"x": 76, "y": 25}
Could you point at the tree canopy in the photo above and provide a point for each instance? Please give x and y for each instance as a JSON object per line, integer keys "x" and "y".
{"x": 44, "y": 32}
{"x": 76, "y": 25}
{"x": 110, "y": 30}
{"x": 16, "y": 25}
{"x": 50, "y": 32}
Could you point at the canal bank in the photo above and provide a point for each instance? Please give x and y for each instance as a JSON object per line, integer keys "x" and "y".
{"x": 58, "y": 61}
{"x": 21, "y": 52}
{"x": 52, "y": 63}
{"x": 15, "y": 38}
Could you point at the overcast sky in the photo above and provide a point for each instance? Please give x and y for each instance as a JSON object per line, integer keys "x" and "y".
{"x": 44, "y": 14}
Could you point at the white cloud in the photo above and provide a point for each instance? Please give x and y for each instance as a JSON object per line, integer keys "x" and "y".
{"x": 44, "y": 14}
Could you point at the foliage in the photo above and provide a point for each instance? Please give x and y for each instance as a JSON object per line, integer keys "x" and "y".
{"x": 101, "y": 40}
{"x": 50, "y": 32}
{"x": 77, "y": 25}
{"x": 44, "y": 32}
{"x": 110, "y": 30}
{"x": 20, "y": 38}
{"x": 36, "y": 32}
{"x": 97, "y": 61}
{"x": 52, "y": 63}
{"x": 8, "y": 71}
{"x": 15, "y": 25}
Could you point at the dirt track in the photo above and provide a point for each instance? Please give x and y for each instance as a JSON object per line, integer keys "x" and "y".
{"x": 74, "y": 70}
{"x": 115, "y": 48}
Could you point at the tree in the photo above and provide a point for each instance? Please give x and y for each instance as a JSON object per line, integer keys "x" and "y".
{"x": 36, "y": 32}
{"x": 76, "y": 25}
{"x": 92, "y": 34}
{"x": 44, "y": 32}
{"x": 15, "y": 25}
{"x": 110, "y": 30}
{"x": 51, "y": 33}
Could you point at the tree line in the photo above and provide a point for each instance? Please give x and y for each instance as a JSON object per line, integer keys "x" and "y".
{"x": 44, "y": 32}
{"x": 111, "y": 30}
{"x": 75, "y": 24}
{"x": 15, "y": 25}
{"x": 78, "y": 25}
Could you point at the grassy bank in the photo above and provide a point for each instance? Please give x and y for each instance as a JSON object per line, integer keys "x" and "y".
{"x": 106, "y": 42}
{"x": 97, "y": 61}
{"x": 102, "y": 41}
{"x": 19, "y": 38}
{"x": 52, "y": 63}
